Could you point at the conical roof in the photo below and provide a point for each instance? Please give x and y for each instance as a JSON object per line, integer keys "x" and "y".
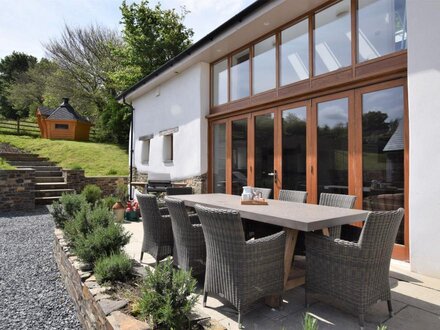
{"x": 66, "y": 112}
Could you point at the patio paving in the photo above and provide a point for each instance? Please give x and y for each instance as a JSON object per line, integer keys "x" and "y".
{"x": 416, "y": 303}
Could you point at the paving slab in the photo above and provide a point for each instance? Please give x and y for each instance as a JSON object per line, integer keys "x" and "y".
{"x": 417, "y": 296}
{"x": 414, "y": 318}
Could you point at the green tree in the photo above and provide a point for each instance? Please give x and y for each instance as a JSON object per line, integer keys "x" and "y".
{"x": 12, "y": 66}
{"x": 153, "y": 36}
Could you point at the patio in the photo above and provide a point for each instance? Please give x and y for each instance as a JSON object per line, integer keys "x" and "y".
{"x": 416, "y": 302}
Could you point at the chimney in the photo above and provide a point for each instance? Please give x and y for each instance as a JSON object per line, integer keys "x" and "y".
{"x": 65, "y": 101}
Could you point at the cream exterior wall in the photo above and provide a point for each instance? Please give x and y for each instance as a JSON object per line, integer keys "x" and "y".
{"x": 183, "y": 103}
{"x": 424, "y": 134}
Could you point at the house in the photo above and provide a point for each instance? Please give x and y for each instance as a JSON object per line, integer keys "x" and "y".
{"x": 63, "y": 123}
{"x": 323, "y": 96}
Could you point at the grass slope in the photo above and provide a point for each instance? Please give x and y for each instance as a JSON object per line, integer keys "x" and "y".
{"x": 5, "y": 166}
{"x": 97, "y": 159}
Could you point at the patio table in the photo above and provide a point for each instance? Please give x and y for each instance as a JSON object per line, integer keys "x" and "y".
{"x": 293, "y": 217}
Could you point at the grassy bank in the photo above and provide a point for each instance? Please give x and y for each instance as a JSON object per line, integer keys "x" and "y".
{"x": 5, "y": 166}
{"x": 96, "y": 159}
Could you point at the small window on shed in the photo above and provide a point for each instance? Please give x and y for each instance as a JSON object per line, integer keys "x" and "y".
{"x": 145, "y": 152}
{"x": 61, "y": 126}
{"x": 168, "y": 148}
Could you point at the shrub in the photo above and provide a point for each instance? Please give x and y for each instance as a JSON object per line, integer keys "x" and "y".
{"x": 112, "y": 171}
{"x": 310, "y": 323}
{"x": 108, "y": 202}
{"x": 122, "y": 193}
{"x": 72, "y": 203}
{"x": 59, "y": 215}
{"x": 167, "y": 296}
{"x": 116, "y": 267}
{"x": 101, "y": 242}
{"x": 92, "y": 193}
{"x": 100, "y": 216}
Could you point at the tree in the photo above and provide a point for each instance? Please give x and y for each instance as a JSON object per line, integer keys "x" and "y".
{"x": 153, "y": 36}
{"x": 11, "y": 67}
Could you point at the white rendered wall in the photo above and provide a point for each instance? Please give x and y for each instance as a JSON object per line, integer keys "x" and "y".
{"x": 424, "y": 126}
{"x": 181, "y": 102}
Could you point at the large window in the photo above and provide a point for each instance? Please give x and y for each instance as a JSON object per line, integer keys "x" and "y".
{"x": 332, "y": 37}
{"x": 264, "y": 65}
{"x": 239, "y": 155}
{"x": 219, "y": 151}
{"x": 220, "y": 82}
{"x": 240, "y": 75}
{"x": 168, "y": 148}
{"x": 381, "y": 28}
{"x": 294, "y": 53}
{"x": 145, "y": 152}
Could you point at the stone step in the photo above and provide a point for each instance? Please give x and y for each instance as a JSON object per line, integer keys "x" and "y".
{"x": 46, "y": 200}
{"x": 52, "y": 192}
{"x": 39, "y": 174}
{"x": 18, "y": 157}
{"x": 46, "y": 179}
{"x": 50, "y": 185}
{"x": 42, "y": 168}
{"x": 30, "y": 163}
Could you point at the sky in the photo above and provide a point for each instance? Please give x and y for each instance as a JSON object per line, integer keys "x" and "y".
{"x": 25, "y": 25}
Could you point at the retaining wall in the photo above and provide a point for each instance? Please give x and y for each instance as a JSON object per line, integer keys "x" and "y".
{"x": 17, "y": 189}
{"x": 77, "y": 180}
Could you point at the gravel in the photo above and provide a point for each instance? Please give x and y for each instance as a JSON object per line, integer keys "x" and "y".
{"x": 32, "y": 293}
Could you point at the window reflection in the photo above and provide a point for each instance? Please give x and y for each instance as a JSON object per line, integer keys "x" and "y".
{"x": 294, "y": 149}
{"x": 294, "y": 53}
{"x": 381, "y": 28}
{"x": 240, "y": 75}
{"x": 220, "y": 82}
{"x": 383, "y": 152}
{"x": 219, "y": 168}
{"x": 239, "y": 155}
{"x": 264, "y": 65}
{"x": 333, "y": 146}
{"x": 332, "y": 38}
{"x": 264, "y": 148}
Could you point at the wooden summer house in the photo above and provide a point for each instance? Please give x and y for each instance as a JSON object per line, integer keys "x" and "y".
{"x": 63, "y": 123}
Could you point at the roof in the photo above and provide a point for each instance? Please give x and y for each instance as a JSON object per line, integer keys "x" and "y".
{"x": 66, "y": 112}
{"x": 46, "y": 111}
{"x": 396, "y": 142}
{"x": 237, "y": 19}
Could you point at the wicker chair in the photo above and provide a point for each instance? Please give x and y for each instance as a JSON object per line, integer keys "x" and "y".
{"x": 356, "y": 274}
{"x": 158, "y": 235}
{"x": 179, "y": 191}
{"x": 243, "y": 271}
{"x": 265, "y": 192}
{"x": 293, "y": 196}
{"x": 189, "y": 242}
{"x": 337, "y": 200}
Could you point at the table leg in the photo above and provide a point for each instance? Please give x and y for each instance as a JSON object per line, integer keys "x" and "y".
{"x": 291, "y": 238}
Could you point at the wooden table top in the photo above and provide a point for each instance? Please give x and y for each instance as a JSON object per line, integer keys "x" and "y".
{"x": 300, "y": 216}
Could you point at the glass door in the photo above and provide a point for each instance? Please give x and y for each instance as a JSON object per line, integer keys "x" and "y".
{"x": 239, "y": 177}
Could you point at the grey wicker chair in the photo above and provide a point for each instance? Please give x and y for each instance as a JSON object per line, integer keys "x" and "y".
{"x": 265, "y": 192}
{"x": 293, "y": 196}
{"x": 189, "y": 242}
{"x": 337, "y": 200}
{"x": 356, "y": 274}
{"x": 243, "y": 271}
{"x": 158, "y": 235}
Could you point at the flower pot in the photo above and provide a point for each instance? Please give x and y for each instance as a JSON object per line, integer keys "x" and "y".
{"x": 118, "y": 211}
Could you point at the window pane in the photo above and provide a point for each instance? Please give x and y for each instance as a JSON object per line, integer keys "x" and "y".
{"x": 381, "y": 28}
{"x": 294, "y": 149}
{"x": 332, "y": 38}
{"x": 264, "y": 66}
{"x": 240, "y": 75}
{"x": 264, "y": 147}
{"x": 382, "y": 152}
{"x": 219, "y": 170}
{"x": 333, "y": 146}
{"x": 220, "y": 83}
{"x": 239, "y": 155}
{"x": 294, "y": 53}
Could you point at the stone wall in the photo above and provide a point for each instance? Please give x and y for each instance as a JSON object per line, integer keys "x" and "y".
{"x": 17, "y": 189}
{"x": 77, "y": 180}
{"x": 95, "y": 308}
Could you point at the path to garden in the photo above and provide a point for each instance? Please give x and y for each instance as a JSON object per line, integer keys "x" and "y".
{"x": 32, "y": 294}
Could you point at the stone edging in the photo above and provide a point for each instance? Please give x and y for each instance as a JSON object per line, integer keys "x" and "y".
{"x": 95, "y": 308}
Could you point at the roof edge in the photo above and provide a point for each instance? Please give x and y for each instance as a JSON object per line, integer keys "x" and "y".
{"x": 236, "y": 19}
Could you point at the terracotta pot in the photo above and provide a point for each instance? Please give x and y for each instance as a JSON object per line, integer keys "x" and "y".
{"x": 118, "y": 211}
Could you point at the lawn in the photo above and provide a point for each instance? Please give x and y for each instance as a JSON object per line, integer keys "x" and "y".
{"x": 97, "y": 159}
{"x": 5, "y": 166}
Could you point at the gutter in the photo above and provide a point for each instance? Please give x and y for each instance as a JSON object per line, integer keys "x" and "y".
{"x": 237, "y": 19}
{"x": 131, "y": 145}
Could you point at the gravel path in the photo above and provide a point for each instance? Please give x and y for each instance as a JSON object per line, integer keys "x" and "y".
{"x": 32, "y": 293}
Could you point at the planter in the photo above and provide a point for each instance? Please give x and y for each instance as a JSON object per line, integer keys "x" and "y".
{"x": 118, "y": 211}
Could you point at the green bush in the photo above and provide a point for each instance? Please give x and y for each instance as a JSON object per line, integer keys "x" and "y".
{"x": 59, "y": 215}
{"x": 100, "y": 216}
{"x": 101, "y": 242}
{"x": 122, "y": 193}
{"x": 108, "y": 202}
{"x": 167, "y": 296}
{"x": 116, "y": 267}
{"x": 72, "y": 203}
{"x": 92, "y": 193}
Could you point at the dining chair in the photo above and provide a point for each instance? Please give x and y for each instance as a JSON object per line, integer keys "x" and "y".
{"x": 356, "y": 274}
{"x": 158, "y": 234}
{"x": 189, "y": 251}
{"x": 265, "y": 192}
{"x": 293, "y": 196}
{"x": 337, "y": 200}
{"x": 241, "y": 271}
